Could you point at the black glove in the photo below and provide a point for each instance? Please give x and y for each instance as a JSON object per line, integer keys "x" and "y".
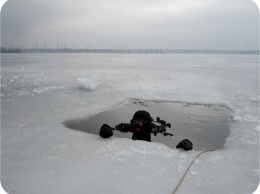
{"x": 124, "y": 127}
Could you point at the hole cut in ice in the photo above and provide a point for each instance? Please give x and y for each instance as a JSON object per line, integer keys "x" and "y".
{"x": 205, "y": 125}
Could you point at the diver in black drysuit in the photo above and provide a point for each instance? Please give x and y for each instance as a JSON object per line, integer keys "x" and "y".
{"x": 140, "y": 126}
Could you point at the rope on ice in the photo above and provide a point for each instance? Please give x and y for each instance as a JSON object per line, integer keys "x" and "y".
{"x": 181, "y": 180}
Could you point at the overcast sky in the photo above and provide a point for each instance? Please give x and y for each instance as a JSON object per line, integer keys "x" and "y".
{"x": 165, "y": 24}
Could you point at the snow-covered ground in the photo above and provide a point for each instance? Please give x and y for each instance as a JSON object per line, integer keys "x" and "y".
{"x": 40, "y": 91}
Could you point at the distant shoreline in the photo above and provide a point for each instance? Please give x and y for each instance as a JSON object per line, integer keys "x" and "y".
{"x": 128, "y": 51}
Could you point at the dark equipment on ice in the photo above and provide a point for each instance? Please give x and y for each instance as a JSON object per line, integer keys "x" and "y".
{"x": 161, "y": 128}
{"x": 106, "y": 131}
{"x": 185, "y": 144}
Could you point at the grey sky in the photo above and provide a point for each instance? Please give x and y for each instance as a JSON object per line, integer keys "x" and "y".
{"x": 166, "y": 24}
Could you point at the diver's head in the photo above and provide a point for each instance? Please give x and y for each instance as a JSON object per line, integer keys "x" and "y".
{"x": 140, "y": 119}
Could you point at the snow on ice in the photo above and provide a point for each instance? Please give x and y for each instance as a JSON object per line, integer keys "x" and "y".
{"x": 87, "y": 83}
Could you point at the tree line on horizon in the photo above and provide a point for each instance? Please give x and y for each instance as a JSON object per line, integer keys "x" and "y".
{"x": 150, "y": 51}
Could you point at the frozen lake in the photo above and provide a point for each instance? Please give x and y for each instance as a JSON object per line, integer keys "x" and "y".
{"x": 41, "y": 91}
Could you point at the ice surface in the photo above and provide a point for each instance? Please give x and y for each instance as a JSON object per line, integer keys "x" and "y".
{"x": 40, "y": 91}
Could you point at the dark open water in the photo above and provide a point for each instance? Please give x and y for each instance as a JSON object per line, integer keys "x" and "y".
{"x": 207, "y": 126}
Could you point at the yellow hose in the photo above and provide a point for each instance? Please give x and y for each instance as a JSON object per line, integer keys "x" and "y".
{"x": 188, "y": 170}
